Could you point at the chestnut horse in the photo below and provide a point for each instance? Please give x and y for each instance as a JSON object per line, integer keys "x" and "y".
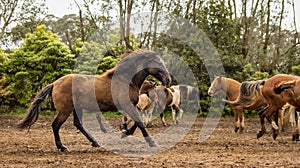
{"x": 290, "y": 92}
{"x": 275, "y": 101}
{"x": 232, "y": 89}
{"x": 241, "y": 96}
{"x": 117, "y": 88}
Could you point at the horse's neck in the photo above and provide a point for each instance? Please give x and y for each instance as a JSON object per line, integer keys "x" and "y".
{"x": 139, "y": 78}
{"x": 232, "y": 88}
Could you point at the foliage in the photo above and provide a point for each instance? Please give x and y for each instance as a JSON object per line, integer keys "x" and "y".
{"x": 91, "y": 59}
{"x": 249, "y": 74}
{"x": 40, "y": 60}
{"x": 18, "y": 17}
{"x": 251, "y": 44}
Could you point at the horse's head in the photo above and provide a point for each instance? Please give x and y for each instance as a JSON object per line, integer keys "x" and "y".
{"x": 147, "y": 87}
{"x": 139, "y": 64}
{"x": 156, "y": 67}
{"x": 215, "y": 86}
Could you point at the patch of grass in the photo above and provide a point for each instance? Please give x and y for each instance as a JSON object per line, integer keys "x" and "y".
{"x": 113, "y": 114}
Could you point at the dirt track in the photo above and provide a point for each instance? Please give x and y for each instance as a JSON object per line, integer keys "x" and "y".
{"x": 223, "y": 149}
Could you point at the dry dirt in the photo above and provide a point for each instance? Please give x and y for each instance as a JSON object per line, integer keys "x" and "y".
{"x": 223, "y": 148}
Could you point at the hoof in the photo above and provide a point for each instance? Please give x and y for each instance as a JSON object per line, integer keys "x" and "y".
{"x": 242, "y": 129}
{"x": 123, "y": 127}
{"x": 275, "y": 134}
{"x": 236, "y": 129}
{"x": 95, "y": 144}
{"x": 123, "y": 135}
{"x": 150, "y": 142}
{"x": 295, "y": 137}
{"x": 260, "y": 134}
{"x": 64, "y": 149}
{"x": 103, "y": 130}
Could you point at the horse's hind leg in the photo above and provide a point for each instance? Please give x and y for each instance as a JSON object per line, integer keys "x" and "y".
{"x": 56, "y": 124}
{"x": 296, "y": 127}
{"x": 242, "y": 121}
{"x": 180, "y": 115}
{"x": 162, "y": 118}
{"x": 236, "y": 119}
{"x": 174, "y": 115}
{"x": 78, "y": 123}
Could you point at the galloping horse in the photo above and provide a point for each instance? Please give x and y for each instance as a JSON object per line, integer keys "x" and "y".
{"x": 275, "y": 101}
{"x": 117, "y": 88}
{"x": 290, "y": 92}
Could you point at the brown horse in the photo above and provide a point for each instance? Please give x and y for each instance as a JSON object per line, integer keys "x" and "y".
{"x": 146, "y": 103}
{"x": 142, "y": 105}
{"x": 290, "y": 92}
{"x": 247, "y": 97}
{"x": 117, "y": 88}
{"x": 232, "y": 89}
{"x": 275, "y": 101}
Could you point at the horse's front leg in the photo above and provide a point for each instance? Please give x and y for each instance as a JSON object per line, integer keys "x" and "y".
{"x": 273, "y": 123}
{"x": 148, "y": 139}
{"x": 102, "y": 128}
{"x": 78, "y": 124}
{"x": 126, "y": 121}
{"x": 129, "y": 131}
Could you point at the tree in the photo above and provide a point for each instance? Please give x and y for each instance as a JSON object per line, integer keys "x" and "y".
{"x": 3, "y": 81}
{"x": 40, "y": 60}
{"x": 18, "y": 12}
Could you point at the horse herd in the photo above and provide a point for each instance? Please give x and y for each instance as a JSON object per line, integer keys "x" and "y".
{"x": 272, "y": 98}
{"x": 125, "y": 87}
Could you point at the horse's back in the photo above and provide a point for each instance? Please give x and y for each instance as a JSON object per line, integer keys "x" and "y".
{"x": 276, "y": 79}
{"x": 268, "y": 89}
{"x": 82, "y": 92}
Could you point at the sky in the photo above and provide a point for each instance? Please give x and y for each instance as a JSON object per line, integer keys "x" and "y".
{"x": 62, "y": 7}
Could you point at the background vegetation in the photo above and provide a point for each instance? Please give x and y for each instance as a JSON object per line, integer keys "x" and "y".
{"x": 37, "y": 48}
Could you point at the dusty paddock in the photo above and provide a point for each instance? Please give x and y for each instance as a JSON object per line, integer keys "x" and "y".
{"x": 223, "y": 148}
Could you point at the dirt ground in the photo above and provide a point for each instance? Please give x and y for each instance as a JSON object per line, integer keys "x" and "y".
{"x": 223, "y": 148}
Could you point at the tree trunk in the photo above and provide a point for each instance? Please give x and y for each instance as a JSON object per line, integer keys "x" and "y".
{"x": 121, "y": 20}
{"x": 246, "y": 29}
{"x": 81, "y": 26}
{"x": 127, "y": 31}
{"x": 155, "y": 23}
{"x": 267, "y": 33}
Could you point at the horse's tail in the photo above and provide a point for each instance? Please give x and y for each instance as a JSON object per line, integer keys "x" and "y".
{"x": 33, "y": 111}
{"x": 284, "y": 86}
{"x": 248, "y": 92}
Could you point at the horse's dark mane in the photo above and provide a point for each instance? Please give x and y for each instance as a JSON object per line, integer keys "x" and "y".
{"x": 250, "y": 88}
{"x": 110, "y": 72}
